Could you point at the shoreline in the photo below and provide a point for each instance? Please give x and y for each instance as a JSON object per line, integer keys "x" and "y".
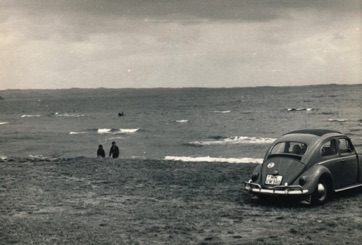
{"x": 232, "y": 160}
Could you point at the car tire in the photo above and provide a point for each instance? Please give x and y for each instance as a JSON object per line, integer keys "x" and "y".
{"x": 321, "y": 193}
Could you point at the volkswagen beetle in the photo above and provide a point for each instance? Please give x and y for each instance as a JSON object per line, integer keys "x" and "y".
{"x": 309, "y": 164}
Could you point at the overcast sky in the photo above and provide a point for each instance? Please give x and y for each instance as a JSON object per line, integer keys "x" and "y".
{"x": 178, "y": 43}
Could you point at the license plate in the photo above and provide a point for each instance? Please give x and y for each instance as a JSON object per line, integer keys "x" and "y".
{"x": 273, "y": 180}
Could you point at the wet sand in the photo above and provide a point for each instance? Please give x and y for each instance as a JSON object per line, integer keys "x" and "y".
{"x": 91, "y": 201}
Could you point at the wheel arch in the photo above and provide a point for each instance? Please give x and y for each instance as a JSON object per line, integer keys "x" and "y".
{"x": 315, "y": 173}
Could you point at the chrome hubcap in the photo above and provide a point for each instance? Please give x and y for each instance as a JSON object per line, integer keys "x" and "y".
{"x": 322, "y": 192}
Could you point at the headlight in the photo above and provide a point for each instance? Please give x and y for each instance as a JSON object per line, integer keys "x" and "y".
{"x": 254, "y": 176}
{"x": 302, "y": 180}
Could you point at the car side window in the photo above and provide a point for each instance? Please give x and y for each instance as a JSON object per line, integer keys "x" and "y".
{"x": 345, "y": 146}
{"x": 329, "y": 148}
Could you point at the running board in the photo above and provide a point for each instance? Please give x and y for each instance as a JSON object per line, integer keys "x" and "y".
{"x": 349, "y": 187}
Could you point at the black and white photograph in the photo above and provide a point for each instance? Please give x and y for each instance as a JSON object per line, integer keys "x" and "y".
{"x": 181, "y": 122}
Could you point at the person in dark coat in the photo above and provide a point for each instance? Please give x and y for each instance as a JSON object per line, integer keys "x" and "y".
{"x": 114, "y": 151}
{"x": 101, "y": 152}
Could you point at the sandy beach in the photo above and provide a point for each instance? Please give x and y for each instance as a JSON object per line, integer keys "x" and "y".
{"x": 117, "y": 201}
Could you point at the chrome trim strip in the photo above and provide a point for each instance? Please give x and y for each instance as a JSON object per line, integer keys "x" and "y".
{"x": 338, "y": 158}
{"x": 348, "y": 157}
{"x": 349, "y": 187}
{"x": 326, "y": 161}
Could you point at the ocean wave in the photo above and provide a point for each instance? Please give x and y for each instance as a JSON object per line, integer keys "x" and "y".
{"x": 117, "y": 131}
{"x": 337, "y": 119}
{"x": 2, "y": 123}
{"x": 107, "y": 131}
{"x": 37, "y": 157}
{"x": 30, "y": 115}
{"x": 68, "y": 115}
{"x": 114, "y": 138}
{"x": 182, "y": 121}
{"x": 235, "y": 140}
{"x": 222, "y": 112}
{"x": 77, "y": 132}
{"x": 215, "y": 159}
{"x": 300, "y": 109}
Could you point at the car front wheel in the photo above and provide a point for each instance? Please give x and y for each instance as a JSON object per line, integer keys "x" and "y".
{"x": 321, "y": 193}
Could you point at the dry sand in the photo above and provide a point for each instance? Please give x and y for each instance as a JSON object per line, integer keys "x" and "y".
{"x": 90, "y": 201}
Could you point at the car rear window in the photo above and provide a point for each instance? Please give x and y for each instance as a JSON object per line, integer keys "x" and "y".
{"x": 290, "y": 147}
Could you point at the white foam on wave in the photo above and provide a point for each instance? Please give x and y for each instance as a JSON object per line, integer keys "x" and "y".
{"x": 108, "y": 131}
{"x": 41, "y": 158}
{"x": 2, "y": 123}
{"x": 215, "y": 159}
{"x": 337, "y": 119}
{"x": 222, "y": 112}
{"x": 182, "y": 121}
{"x": 78, "y": 132}
{"x": 30, "y": 115}
{"x": 128, "y": 131}
{"x": 114, "y": 138}
{"x": 68, "y": 115}
{"x": 104, "y": 130}
{"x": 236, "y": 140}
{"x": 117, "y": 131}
{"x": 300, "y": 109}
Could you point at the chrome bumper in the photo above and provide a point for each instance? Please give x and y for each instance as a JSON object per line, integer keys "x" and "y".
{"x": 283, "y": 190}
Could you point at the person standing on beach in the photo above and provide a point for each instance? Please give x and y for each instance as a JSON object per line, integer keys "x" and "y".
{"x": 114, "y": 151}
{"x": 101, "y": 152}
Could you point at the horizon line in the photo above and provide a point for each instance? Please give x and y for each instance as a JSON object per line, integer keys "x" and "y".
{"x": 129, "y": 88}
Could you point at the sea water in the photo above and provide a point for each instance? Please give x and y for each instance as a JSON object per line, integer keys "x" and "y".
{"x": 190, "y": 124}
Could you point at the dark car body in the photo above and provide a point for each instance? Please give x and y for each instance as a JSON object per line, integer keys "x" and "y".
{"x": 309, "y": 164}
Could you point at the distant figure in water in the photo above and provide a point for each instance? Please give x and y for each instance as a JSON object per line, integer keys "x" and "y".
{"x": 114, "y": 151}
{"x": 101, "y": 152}
{"x": 121, "y": 114}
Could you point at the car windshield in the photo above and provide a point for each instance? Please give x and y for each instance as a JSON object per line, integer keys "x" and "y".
{"x": 290, "y": 147}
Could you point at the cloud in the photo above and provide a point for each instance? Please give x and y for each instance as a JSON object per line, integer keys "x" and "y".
{"x": 178, "y": 43}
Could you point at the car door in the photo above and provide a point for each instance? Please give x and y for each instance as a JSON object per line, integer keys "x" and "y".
{"x": 332, "y": 161}
{"x": 349, "y": 162}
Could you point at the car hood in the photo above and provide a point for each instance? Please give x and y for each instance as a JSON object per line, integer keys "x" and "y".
{"x": 287, "y": 167}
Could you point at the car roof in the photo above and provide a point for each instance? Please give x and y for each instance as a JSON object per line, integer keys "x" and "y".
{"x": 309, "y": 136}
{"x": 312, "y": 137}
{"x": 316, "y": 132}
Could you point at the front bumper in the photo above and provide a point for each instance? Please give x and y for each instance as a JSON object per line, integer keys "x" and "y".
{"x": 281, "y": 190}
